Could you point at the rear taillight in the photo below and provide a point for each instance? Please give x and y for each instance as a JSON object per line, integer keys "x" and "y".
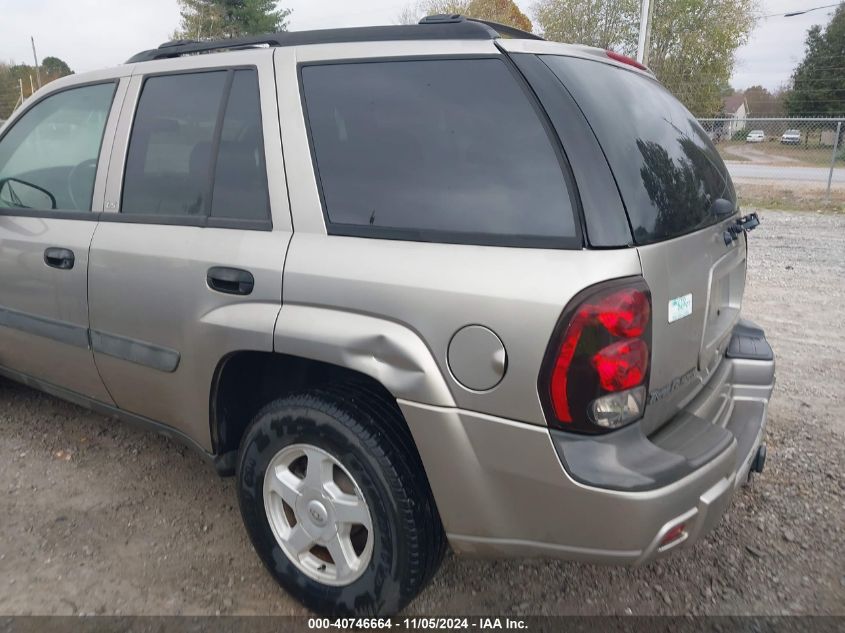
{"x": 622, "y": 365}
{"x": 624, "y": 59}
{"x": 596, "y": 370}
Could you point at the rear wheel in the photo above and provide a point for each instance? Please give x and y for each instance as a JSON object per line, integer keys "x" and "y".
{"x": 336, "y": 503}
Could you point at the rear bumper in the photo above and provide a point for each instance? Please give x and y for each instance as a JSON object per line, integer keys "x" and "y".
{"x": 505, "y": 488}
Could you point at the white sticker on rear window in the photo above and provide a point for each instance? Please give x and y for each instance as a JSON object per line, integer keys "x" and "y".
{"x": 680, "y": 307}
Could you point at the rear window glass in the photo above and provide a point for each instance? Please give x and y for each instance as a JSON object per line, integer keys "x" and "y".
{"x": 668, "y": 171}
{"x": 440, "y": 150}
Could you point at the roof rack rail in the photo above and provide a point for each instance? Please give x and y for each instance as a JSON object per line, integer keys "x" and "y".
{"x": 439, "y": 27}
{"x": 501, "y": 29}
{"x": 443, "y": 18}
{"x": 463, "y": 30}
{"x": 508, "y": 31}
{"x": 178, "y": 43}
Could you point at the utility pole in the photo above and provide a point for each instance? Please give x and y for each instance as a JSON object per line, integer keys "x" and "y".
{"x": 644, "y": 41}
{"x": 833, "y": 157}
{"x": 35, "y": 57}
{"x": 199, "y": 26}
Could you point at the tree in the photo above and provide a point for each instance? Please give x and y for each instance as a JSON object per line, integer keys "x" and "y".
{"x": 501, "y": 11}
{"x": 441, "y": 7}
{"x": 410, "y": 14}
{"x": 55, "y": 67}
{"x": 762, "y": 103}
{"x": 9, "y": 91}
{"x": 692, "y": 41}
{"x": 21, "y": 76}
{"x": 726, "y": 90}
{"x": 610, "y": 24}
{"x": 221, "y": 19}
{"x": 818, "y": 83}
{"x": 692, "y": 61}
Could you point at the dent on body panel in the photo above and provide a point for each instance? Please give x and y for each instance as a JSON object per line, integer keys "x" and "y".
{"x": 388, "y": 352}
{"x": 385, "y": 359}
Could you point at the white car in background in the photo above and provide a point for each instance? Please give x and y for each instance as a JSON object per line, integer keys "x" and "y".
{"x": 755, "y": 136}
{"x": 791, "y": 137}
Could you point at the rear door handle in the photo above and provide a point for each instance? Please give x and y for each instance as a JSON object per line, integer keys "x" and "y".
{"x": 61, "y": 258}
{"x": 230, "y": 281}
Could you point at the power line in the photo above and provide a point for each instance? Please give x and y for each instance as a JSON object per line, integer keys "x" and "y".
{"x": 791, "y": 14}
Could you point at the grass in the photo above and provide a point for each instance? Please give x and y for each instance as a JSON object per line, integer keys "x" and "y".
{"x": 730, "y": 156}
{"x": 817, "y": 156}
{"x": 791, "y": 198}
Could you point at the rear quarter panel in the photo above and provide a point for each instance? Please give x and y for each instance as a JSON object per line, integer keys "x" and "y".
{"x": 436, "y": 289}
{"x": 430, "y": 289}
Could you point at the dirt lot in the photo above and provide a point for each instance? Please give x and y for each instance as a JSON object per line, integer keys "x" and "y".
{"x": 98, "y": 518}
{"x": 774, "y": 153}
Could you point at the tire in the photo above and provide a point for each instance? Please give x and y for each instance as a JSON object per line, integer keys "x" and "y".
{"x": 364, "y": 432}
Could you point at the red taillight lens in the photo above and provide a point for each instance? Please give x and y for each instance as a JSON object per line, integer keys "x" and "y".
{"x": 622, "y": 365}
{"x": 625, "y": 313}
{"x": 560, "y": 375}
{"x": 604, "y": 350}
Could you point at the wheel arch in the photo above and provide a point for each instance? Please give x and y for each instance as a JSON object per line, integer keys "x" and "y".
{"x": 246, "y": 381}
{"x": 317, "y": 346}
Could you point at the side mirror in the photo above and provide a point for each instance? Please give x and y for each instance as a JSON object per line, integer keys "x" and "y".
{"x": 19, "y": 194}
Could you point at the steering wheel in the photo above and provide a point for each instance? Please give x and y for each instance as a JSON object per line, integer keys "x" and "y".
{"x": 71, "y": 179}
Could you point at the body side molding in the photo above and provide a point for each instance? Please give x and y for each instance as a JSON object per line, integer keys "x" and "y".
{"x": 61, "y": 331}
{"x": 124, "y": 348}
{"x": 134, "y": 351}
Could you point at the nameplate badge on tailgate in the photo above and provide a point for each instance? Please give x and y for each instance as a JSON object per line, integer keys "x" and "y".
{"x": 680, "y": 307}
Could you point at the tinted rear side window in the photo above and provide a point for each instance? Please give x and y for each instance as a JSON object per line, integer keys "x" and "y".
{"x": 442, "y": 150}
{"x": 240, "y": 178}
{"x": 667, "y": 169}
{"x": 171, "y": 144}
{"x": 196, "y": 148}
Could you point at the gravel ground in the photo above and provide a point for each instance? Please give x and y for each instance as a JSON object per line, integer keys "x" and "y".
{"x": 96, "y": 517}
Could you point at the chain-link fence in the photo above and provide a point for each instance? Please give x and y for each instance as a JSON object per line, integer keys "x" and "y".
{"x": 805, "y": 157}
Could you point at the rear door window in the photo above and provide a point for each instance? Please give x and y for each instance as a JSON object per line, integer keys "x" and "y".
{"x": 240, "y": 177}
{"x": 196, "y": 148}
{"x": 667, "y": 169}
{"x": 437, "y": 150}
{"x": 167, "y": 170}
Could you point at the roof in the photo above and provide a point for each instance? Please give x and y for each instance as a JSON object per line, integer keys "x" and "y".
{"x": 732, "y": 103}
{"x": 437, "y": 27}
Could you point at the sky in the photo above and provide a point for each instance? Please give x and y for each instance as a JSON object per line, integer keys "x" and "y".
{"x": 91, "y": 34}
